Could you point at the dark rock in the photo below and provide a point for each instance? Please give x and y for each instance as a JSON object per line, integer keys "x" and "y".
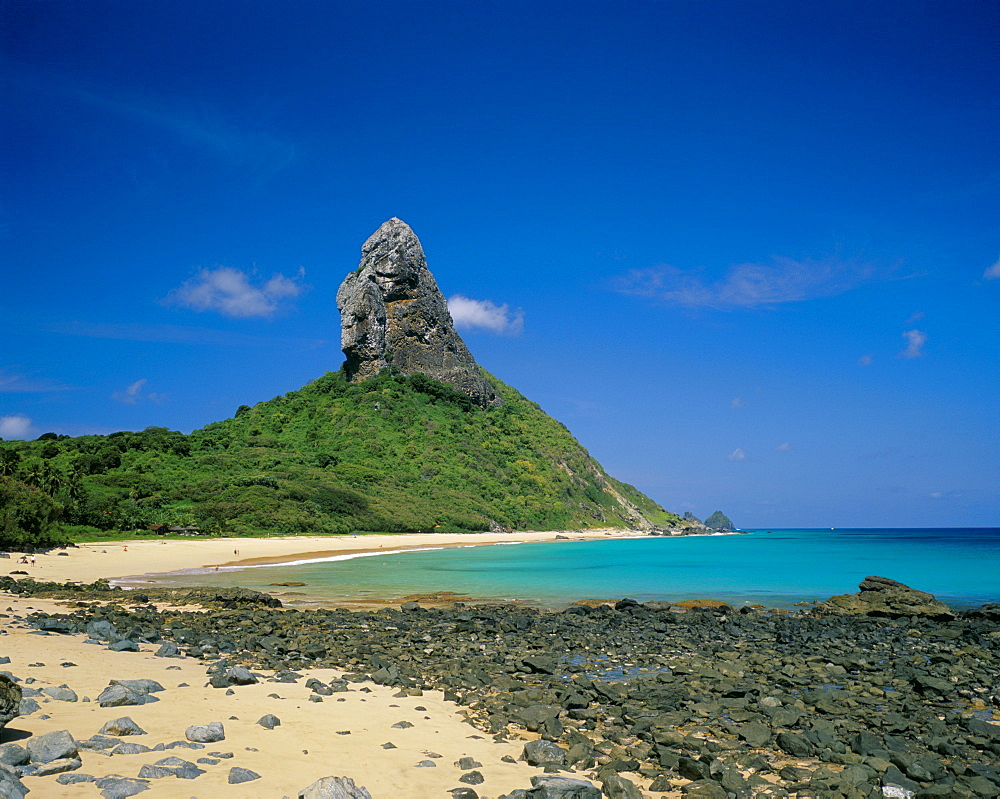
{"x": 59, "y": 766}
{"x": 10, "y": 786}
{"x": 472, "y": 778}
{"x": 795, "y": 744}
{"x": 269, "y": 722}
{"x": 880, "y": 596}
{"x": 114, "y": 786}
{"x": 393, "y": 314}
{"x": 551, "y": 786}
{"x": 27, "y": 706}
{"x": 130, "y": 748}
{"x": 465, "y": 763}
{"x": 704, "y": 789}
{"x": 13, "y": 754}
{"x": 543, "y": 753}
{"x": 240, "y": 675}
{"x": 617, "y": 787}
{"x": 10, "y": 700}
{"x": 73, "y": 779}
{"x": 125, "y": 645}
{"x": 52, "y": 746}
{"x": 238, "y": 775}
{"x": 122, "y": 696}
{"x": 61, "y": 693}
{"x": 168, "y": 649}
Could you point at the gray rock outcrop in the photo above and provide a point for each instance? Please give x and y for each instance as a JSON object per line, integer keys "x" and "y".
{"x": 334, "y": 788}
{"x": 880, "y": 596}
{"x": 393, "y": 316}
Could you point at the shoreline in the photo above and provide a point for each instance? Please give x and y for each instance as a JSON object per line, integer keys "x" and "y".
{"x": 405, "y": 700}
{"x": 130, "y": 564}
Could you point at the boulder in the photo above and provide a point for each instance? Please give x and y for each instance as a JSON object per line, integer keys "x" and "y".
{"x": 52, "y": 746}
{"x": 880, "y": 596}
{"x": 122, "y": 726}
{"x": 393, "y": 314}
{"x": 206, "y": 733}
{"x": 543, "y": 753}
{"x": 334, "y": 788}
{"x": 554, "y": 786}
{"x": 238, "y": 775}
{"x": 10, "y": 786}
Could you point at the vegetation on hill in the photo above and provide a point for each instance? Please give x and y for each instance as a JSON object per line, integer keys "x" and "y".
{"x": 393, "y": 454}
{"x": 719, "y": 521}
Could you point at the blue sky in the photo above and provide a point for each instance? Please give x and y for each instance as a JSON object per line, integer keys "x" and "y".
{"x": 749, "y": 253}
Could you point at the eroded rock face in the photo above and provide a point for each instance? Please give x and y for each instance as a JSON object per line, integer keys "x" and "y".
{"x": 393, "y": 315}
{"x": 10, "y": 699}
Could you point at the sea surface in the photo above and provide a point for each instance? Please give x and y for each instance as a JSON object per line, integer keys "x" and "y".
{"x": 775, "y": 568}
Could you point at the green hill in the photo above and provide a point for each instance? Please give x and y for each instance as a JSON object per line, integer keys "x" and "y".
{"x": 388, "y": 454}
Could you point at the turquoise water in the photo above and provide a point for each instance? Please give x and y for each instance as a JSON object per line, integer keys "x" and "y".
{"x": 775, "y": 568}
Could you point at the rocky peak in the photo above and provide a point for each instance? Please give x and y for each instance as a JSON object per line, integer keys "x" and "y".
{"x": 393, "y": 316}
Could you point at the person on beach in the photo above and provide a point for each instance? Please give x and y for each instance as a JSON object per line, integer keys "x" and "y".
{"x": 32, "y": 560}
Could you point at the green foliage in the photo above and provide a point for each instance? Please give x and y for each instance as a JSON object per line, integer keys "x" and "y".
{"x": 27, "y": 516}
{"x": 392, "y": 454}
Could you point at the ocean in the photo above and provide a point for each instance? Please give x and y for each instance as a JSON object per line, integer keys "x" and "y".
{"x": 775, "y": 568}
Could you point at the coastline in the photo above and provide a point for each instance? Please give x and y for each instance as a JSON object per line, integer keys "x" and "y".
{"x": 131, "y": 563}
{"x": 671, "y": 702}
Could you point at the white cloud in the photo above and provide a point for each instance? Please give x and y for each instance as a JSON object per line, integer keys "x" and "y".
{"x": 486, "y": 315}
{"x": 230, "y": 292}
{"x": 786, "y": 447}
{"x": 915, "y": 344}
{"x": 134, "y": 393}
{"x": 992, "y": 272}
{"x": 916, "y": 316}
{"x": 737, "y": 455}
{"x": 747, "y": 285}
{"x": 16, "y": 426}
{"x": 736, "y": 402}
{"x": 945, "y": 494}
{"x": 865, "y": 360}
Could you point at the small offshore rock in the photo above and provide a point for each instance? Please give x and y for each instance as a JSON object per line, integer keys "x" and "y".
{"x": 334, "y": 788}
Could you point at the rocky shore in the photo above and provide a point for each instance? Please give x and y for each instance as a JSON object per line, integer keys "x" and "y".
{"x": 885, "y": 693}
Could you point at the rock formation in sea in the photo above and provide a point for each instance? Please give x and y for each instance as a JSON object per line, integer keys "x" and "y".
{"x": 880, "y": 596}
{"x": 393, "y": 316}
{"x": 719, "y": 521}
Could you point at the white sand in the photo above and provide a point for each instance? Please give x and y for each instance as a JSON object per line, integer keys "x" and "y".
{"x": 306, "y": 746}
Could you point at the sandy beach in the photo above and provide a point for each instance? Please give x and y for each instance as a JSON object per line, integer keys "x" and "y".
{"x": 128, "y": 562}
{"x": 344, "y": 735}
